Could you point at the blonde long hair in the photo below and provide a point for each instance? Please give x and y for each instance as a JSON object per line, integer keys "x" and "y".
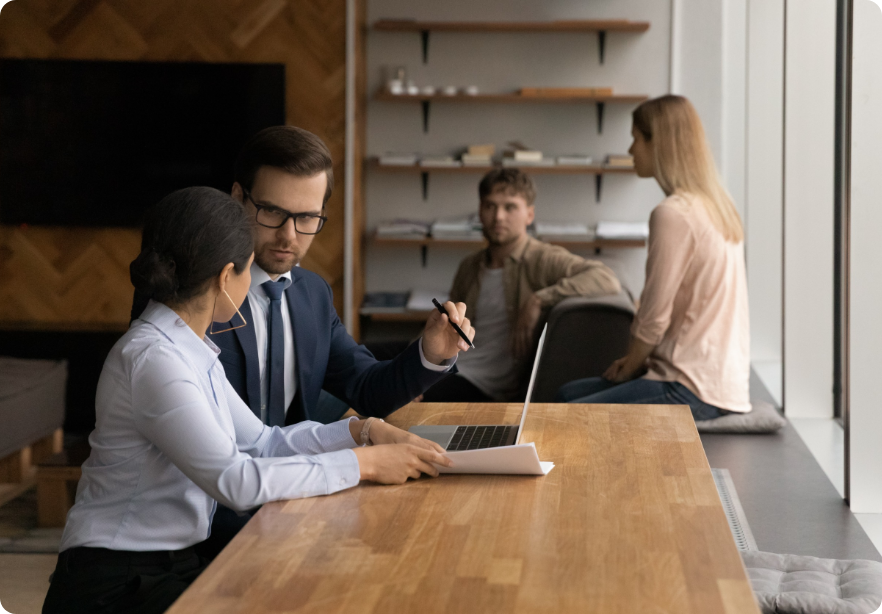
{"x": 683, "y": 160}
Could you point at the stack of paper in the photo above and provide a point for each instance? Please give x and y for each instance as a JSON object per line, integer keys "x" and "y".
{"x": 398, "y": 159}
{"x": 421, "y": 300}
{"x": 515, "y": 163}
{"x": 439, "y": 162}
{"x": 463, "y": 228}
{"x": 622, "y": 230}
{"x": 404, "y": 229}
{"x": 562, "y": 229}
{"x": 575, "y": 160}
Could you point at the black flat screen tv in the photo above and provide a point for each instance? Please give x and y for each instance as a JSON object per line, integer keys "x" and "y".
{"x": 94, "y": 143}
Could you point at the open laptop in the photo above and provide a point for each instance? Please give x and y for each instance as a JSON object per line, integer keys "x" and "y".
{"x": 455, "y": 438}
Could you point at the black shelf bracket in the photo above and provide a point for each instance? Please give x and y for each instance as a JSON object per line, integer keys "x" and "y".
{"x": 425, "y": 178}
{"x": 600, "y": 108}
{"x": 601, "y": 40}
{"x": 424, "y": 254}
{"x": 598, "y": 185}
{"x": 426, "y": 106}
{"x": 424, "y": 36}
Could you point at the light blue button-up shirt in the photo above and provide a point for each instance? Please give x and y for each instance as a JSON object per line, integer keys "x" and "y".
{"x": 173, "y": 437}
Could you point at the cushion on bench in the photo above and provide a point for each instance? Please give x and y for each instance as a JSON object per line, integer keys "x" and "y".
{"x": 763, "y": 419}
{"x": 790, "y": 584}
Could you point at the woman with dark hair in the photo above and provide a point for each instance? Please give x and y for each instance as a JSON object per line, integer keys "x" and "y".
{"x": 173, "y": 438}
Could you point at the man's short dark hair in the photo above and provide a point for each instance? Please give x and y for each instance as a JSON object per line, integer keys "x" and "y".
{"x": 511, "y": 180}
{"x": 293, "y": 150}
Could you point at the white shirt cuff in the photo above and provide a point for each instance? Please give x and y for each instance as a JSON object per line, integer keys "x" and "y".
{"x": 445, "y": 366}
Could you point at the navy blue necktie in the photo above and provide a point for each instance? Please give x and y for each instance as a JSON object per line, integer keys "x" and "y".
{"x": 275, "y": 355}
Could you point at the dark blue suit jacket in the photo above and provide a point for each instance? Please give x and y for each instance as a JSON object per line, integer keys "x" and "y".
{"x": 325, "y": 357}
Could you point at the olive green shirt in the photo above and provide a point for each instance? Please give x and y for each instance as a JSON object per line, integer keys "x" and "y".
{"x": 550, "y": 272}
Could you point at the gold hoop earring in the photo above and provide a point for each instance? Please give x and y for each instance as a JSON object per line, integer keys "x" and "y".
{"x": 211, "y": 330}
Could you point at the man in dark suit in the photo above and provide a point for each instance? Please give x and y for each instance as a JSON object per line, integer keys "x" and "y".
{"x": 294, "y": 345}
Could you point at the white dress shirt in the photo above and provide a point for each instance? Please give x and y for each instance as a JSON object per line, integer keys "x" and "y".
{"x": 173, "y": 437}
{"x": 260, "y": 304}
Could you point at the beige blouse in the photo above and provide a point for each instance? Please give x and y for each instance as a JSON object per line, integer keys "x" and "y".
{"x": 694, "y": 306}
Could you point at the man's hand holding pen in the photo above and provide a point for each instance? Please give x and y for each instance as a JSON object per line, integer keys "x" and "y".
{"x": 441, "y": 341}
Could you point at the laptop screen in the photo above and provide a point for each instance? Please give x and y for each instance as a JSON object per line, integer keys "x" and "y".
{"x": 532, "y": 381}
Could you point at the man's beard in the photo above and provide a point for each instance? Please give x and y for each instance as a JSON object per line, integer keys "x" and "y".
{"x": 272, "y": 265}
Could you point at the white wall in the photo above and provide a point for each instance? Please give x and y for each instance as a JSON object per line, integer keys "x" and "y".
{"x": 808, "y": 208}
{"x": 635, "y": 63}
{"x": 763, "y": 215}
{"x": 865, "y": 417}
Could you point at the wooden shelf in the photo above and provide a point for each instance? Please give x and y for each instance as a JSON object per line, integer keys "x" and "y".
{"x": 527, "y": 168}
{"x": 426, "y": 101}
{"x": 562, "y": 241}
{"x": 599, "y": 26}
{"x": 597, "y": 170}
{"x": 586, "y": 25}
{"x": 509, "y": 98}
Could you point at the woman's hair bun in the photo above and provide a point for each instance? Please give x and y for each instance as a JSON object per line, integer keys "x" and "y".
{"x": 154, "y": 275}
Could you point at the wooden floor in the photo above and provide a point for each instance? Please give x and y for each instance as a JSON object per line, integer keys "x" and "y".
{"x": 24, "y": 580}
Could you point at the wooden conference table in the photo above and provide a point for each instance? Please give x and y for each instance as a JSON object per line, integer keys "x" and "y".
{"x": 628, "y": 521}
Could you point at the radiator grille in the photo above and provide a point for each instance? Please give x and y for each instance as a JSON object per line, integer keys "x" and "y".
{"x": 734, "y": 513}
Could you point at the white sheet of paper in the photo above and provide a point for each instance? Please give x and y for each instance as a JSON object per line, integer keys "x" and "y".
{"x": 505, "y": 460}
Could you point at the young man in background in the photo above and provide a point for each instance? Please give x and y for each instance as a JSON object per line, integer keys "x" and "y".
{"x": 508, "y": 287}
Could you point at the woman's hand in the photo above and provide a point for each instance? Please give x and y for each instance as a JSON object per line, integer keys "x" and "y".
{"x": 384, "y": 433}
{"x": 395, "y": 463}
{"x": 620, "y": 371}
{"x": 630, "y": 366}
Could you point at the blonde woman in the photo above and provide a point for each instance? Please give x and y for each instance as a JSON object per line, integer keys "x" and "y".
{"x": 690, "y": 338}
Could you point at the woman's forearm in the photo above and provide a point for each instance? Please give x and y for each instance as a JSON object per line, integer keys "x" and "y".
{"x": 638, "y": 352}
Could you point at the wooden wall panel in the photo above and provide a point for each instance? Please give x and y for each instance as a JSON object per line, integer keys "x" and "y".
{"x": 64, "y": 277}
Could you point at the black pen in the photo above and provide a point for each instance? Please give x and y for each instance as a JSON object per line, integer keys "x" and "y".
{"x": 453, "y": 324}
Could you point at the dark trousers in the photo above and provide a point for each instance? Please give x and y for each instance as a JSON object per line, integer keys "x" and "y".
{"x": 102, "y": 581}
{"x": 638, "y": 391}
{"x": 455, "y": 389}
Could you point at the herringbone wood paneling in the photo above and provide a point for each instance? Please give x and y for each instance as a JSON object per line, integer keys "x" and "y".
{"x": 62, "y": 277}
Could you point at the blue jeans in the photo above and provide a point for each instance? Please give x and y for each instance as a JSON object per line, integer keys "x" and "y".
{"x": 639, "y": 391}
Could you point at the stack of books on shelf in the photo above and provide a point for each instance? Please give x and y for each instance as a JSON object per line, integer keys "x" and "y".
{"x": 384, "y": 302}
{"x": 404, "y": 229}
{"x": 521, "y": 155}
{"x": 401, "y": 302}
{"x": 398, "y": 159}
{"x": 563, "y": 230}
{"x": 623, "y": 231}
{"x": 478, "y": 155}
{"x": 458, "y": 229}
{"x": 620, "y": 161}
{"x": 575, "y": 160}
{"x": 439, "y": 162}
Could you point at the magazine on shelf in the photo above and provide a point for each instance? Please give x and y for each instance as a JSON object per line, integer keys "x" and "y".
{"x": 398, "y": 159}
{"x": 622, "y": 230}
{"x": 404, "y": 229}
{"x": 384, "y": 302}
{"x": 573, "y": 230}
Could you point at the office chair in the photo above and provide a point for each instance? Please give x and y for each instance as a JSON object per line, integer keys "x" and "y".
{"x": 585, "y": 335}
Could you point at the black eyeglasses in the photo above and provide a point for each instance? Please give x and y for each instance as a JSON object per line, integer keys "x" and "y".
{"x": 270, "y": 216}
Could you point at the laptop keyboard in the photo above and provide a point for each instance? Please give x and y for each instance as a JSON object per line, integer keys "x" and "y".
{"x": 479, "y": 437}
